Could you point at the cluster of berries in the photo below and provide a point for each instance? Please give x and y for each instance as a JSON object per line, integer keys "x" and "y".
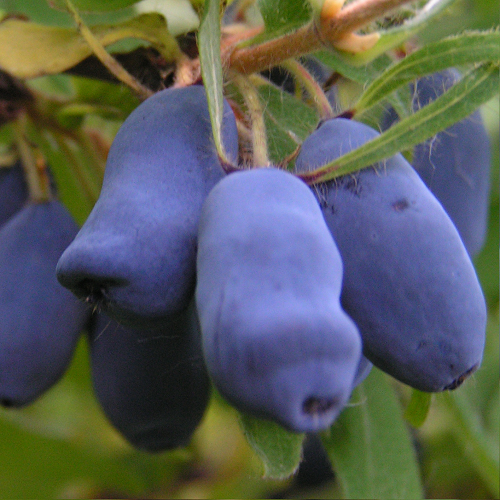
{"x": 283, "y": 296}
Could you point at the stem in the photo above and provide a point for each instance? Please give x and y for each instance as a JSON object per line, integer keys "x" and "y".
{"x": 310, "y": 37}
{"x": 312, "y": 87}
{"x": 97, "y": 163}
{"x": 110, "y": 62}
{"x": 39, "y": 193}
{"x": 254, "y": 106}
{"x": 91, "y": 191}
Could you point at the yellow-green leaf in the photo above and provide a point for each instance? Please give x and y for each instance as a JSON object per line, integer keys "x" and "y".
{"x": 30, "y": 50}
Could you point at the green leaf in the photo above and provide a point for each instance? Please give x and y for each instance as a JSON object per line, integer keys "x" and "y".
{"x": 418, "y": 408}
{"x": 468, "y": 48}
{"x": 93, "y": 5}
{"x": 288, "y": 121}
{"x": 284, "y": 15}
{"x": 43, "y": 50}
{"x": 211, "y": 69}
{"x": 279, "y": 450}
{"x": 370, "y": 447}
{"x": 473, "y": 90}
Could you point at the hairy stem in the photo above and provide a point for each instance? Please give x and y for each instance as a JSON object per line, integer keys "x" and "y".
{"x": 302, "y": 76}
{"x": 254, "y": 107}
{"x": 39, "y": 192}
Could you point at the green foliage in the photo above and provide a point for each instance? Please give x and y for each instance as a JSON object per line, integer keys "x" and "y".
{"x": 370, "y": 446}
{"x": 468, "y": 48}
{"x": 288, "y": 121}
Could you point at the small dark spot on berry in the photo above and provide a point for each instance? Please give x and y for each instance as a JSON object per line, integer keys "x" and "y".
{"x": 400, "y": 205}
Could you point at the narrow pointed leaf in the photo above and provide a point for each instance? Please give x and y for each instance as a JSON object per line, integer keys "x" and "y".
{"x": 473, "y": 90}
{"x": 211, "y": 69}
{"x": 468, "y": 48}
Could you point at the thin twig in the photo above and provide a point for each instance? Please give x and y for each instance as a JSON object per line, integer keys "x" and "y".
{"x": 109, "y": 61}
{"x": 312, "y": 87}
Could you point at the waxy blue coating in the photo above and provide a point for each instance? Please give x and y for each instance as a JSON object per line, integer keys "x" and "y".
{"x": 455, "y": 164}
{"x": 135, "y": 253}
{"x": 409, "y": 284}
{"x": 40, "y": 321}
{"x": 151, "y": 384}
{"x": 13, "y": 191}
{"x": 275, "y": 338}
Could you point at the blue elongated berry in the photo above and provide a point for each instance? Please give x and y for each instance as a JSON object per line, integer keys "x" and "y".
{"x": 136, "y": 254}
{"x": 455, "y": 164}
{"x": 409, "y": 284}
{"x": 275, "y": 339}
{"x": 151, "y": 384}
{"x": 40, "y": 321}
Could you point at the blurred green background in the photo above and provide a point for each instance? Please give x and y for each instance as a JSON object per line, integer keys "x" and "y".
{"x": 63, "y": 447}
